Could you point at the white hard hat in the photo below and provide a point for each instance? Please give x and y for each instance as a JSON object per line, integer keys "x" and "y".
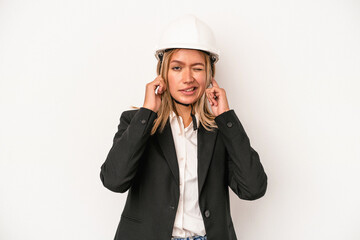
{"x": 188, "y": 32}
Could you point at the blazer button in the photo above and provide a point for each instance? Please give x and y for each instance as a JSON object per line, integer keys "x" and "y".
{"x": 207, "y": 213}
{"x": 229, "y": 124}
{"x": 143, "y": 121}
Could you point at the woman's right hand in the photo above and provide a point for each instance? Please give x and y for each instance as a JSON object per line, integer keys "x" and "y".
{"x": 153, "y": 101}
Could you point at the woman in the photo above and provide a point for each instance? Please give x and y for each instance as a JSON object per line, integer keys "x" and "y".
{"x": 175, "y": 155}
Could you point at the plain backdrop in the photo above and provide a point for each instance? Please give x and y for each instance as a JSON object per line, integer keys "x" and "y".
{"x": 68, "y": 69}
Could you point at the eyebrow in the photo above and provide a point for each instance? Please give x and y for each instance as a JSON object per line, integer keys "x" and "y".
{"x": 180, "y": 62}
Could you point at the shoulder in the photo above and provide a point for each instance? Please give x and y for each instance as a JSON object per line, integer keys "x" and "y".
{"x": 129, "y": 113}
{"x": 141, "y": 113}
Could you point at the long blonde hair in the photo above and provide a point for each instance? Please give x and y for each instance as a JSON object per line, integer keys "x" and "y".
{"x": 206, "y": 118}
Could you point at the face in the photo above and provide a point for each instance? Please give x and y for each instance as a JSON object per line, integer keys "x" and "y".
{"x": 187, "y": 75}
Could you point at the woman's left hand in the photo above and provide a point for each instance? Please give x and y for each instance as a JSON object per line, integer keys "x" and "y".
{"x": 217, "y": 99}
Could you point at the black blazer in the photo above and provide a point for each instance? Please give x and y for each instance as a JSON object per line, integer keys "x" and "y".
{"x": 147, "y": 166}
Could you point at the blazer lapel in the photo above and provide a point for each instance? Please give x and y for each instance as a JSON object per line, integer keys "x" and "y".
{"x": 167, "y": 145}
{"x": 206, "y": 142}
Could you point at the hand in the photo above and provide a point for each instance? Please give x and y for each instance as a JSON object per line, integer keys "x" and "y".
{"x": 153, "y": 101}
{"x": 217, "y": 99}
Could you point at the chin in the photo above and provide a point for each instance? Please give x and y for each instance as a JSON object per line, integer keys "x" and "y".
{"x": 188, "y": 100}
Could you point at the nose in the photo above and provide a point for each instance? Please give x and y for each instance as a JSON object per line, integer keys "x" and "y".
{"x": 188, "y": 76}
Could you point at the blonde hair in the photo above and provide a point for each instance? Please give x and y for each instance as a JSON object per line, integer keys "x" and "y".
{"x": 205, "y": 116}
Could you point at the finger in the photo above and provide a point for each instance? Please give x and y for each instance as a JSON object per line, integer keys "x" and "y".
{"x": 212, "y": 98}
{"x": 214, "y": 92}
{"x": 157, "y": 79}
{"x": 162, "y": 86}
{"x": 211, "y": 101}
{"x": 159, "y": 84}
{"x": 214, "y": 83}
{"x": 154, "y": 84}
{"x": 214, "y": 95}
{"x": 208, "y": 95}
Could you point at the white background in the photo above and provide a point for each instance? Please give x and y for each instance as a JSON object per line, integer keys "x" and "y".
{"x": 68, "y": 69}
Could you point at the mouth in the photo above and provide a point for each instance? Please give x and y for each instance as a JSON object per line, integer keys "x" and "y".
{"x": 188, "y": 91}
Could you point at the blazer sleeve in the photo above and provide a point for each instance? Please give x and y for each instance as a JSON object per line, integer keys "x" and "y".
{"x": 120, "y": 166}
{"x": 246, "y": 175}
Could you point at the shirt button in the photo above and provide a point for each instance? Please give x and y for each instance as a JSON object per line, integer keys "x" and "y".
{"x": 229, "y": 124}
{"x": 143, "y": 121}
{"x": 207, "y": 213}
{"x": 172, "y": 207}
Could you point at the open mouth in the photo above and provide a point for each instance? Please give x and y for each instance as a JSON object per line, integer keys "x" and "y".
{"x": 189, "y": 89}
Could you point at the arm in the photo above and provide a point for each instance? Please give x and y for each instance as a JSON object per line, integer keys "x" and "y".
{"x": 120, "y": 166}
{"x": 246, "y": 175}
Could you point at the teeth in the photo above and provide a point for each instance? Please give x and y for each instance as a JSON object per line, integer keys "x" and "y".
{"x": 189, "y": 90}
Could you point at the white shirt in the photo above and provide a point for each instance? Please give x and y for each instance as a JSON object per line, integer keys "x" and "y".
{"x": 188, "y": 220}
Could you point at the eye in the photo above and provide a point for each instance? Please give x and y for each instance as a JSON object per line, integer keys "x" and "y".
{"x": 198, "y": 69}
{"x": 177, "y": 68}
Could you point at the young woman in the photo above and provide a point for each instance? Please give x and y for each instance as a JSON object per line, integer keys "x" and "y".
{"x": 178, "y": 155}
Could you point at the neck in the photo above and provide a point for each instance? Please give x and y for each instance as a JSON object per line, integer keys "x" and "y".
{"x": 182, "y": 107}
{"x": 185, "y": 111}
{"x": 184, "y": 104}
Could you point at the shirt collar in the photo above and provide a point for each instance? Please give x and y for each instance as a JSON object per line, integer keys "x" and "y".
{"x": 173, "y": 117}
